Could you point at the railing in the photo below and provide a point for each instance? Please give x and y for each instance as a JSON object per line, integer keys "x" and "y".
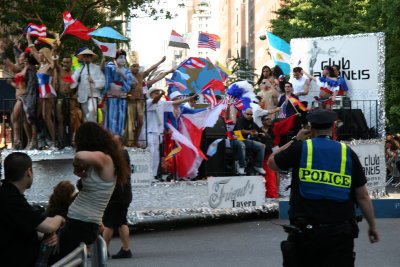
{"x": 77, "y": 257}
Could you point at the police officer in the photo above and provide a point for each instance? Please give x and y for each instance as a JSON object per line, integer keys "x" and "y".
{"x": 327, "y": 181}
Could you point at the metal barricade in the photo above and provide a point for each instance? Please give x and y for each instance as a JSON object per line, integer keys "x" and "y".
{"x": 77, "y": 257}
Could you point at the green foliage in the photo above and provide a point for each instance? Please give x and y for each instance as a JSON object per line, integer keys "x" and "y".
{"x": 92, "y": 13}
{"x": 317, "y": 18}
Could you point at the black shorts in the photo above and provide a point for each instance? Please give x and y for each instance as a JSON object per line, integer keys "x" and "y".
{"x": 115, "y": 216}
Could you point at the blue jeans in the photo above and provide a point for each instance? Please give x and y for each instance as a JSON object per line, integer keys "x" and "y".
{"x": 253, "y": 146}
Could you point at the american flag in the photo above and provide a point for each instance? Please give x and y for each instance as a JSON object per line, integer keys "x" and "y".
{"x": 282, "y": 112}
{"x": 238, "y": 103}
{"x": 209, "y": 96}
{"x": 36, "y": 30}
{"x": 206, "y": 41}
{"x": 193, "y": 63}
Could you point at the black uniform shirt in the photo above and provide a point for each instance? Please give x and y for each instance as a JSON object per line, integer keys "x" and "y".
{"x": 321, "y": 211}
{"x": 19, "y": 242}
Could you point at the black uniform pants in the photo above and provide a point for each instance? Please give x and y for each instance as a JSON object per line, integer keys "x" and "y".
{"x": 322, "y": 248}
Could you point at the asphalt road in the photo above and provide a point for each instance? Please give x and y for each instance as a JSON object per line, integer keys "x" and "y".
{"x": 249, "y": 243}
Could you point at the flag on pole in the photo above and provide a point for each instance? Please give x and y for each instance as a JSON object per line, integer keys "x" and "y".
{"x": 296, "y": 103}
{"x": 108, "y": 49}
{"x": 177, "y": 40}
{"x": 68, "y": 20}
{"x": 224, "y": 72}
{"x": 36, "y": 30}
{"x": 206, "y": 41}
{"x": 79, "y": 30}
{"x": 280, "y": 52}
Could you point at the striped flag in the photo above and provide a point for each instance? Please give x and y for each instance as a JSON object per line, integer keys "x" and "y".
{"x": 177, "y": 85}
{"x": 209, "y": 96}
{"x": 206, "y": 41}
{"x": 177, "y": 40}
{"x": 193, "y": 63}
{"x": 36, "y": 30}
{"x": 68, "y": 20}
{"x": 282, "y": 112}
{"x": 238, "y": 103}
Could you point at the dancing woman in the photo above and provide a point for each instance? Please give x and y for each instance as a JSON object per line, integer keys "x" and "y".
{"x": 25, "y": 83}
{"x": 47, "y": 93}
{"x": 100, "y": 164}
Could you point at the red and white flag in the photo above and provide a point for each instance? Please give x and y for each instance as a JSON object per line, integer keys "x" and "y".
{"x": 193, "y": 63}
{"x": 68, "y": 20}
{"x": 177, "y": 40}
{"x": 36, "y": 30}
{"x": 108, "y": 49}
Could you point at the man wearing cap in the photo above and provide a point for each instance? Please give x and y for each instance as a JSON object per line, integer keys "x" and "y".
{"x": 89, "y": 79}
{"x": 155, "y": 122}
{"x": 327, "y": 181}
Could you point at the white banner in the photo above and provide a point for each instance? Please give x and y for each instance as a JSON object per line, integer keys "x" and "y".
{"x": 236, "y": 191}
{"x": 372, "y": 158}
{"x": 141, "y": 168}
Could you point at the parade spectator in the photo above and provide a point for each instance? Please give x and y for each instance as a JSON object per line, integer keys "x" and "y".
{"x": 26, "y": 84}
{"x": 249, "y": 131}
{"x": 89, "y": 81}
{"x": 47, "y": 93}
{"x": 328, "y": 87}
{"x": 269, "y": 95}
{"x": 118, "y": 83}
{"x": 343, "y": 88}
{"x": 284, "y": 102}
{"x": 267, "y": 138}
{"x": 100, "y": 164}
{"x": 259, "y": 113}
{"x": 279, "y": 77}
{"x": 155, "y": 122}
{"x": 266, "y": 73}
{"x": 20, "y": 223}
{"x": 135, "y": 107}
{"x": 115, "y": 215}
{"x": 301, "y": 85}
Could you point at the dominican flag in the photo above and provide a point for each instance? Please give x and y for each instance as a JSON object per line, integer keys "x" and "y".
{"x": 108, "y": 49}
{"x": 68, "y": 20}
{"x": 177, "y": 40}
{"x": 36, "y": 30}
{"x": 209, "y": 96}
{"x": 207, "y": 41}
{"x": 193, "y": 63}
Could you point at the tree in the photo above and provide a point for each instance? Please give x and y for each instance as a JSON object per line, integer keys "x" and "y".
{"x": 18, "y": 13}
{"x": 312, "y": 18}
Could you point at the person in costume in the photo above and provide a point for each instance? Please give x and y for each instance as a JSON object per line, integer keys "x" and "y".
{"x": 119, "y": 80}
{"x": 343, "y": 88}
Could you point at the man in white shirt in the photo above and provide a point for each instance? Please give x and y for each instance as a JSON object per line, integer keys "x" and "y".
{"x": 155, "y": 122}
{"x": 89, "y": 79}
{"x": 301, "y": 85}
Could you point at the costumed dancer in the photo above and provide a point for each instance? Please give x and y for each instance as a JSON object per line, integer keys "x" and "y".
{"x": 118, "y": 83}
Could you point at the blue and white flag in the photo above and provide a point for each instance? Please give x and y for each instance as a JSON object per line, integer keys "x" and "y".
{"x": 280, "y": 52}
{"x": 212, "y": 148}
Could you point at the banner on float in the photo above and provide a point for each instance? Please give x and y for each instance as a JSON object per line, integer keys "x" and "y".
{"x": 140, "y": 168}
{"x": 236, "y": 191}
{"x": 361, "y": 59}
{"x": 372, "y": 158}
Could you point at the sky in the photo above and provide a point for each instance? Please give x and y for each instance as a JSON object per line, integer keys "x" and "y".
{"x": 150, "y": 37}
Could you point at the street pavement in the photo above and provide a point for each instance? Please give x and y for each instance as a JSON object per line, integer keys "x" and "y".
{"x": 241, "y": 243}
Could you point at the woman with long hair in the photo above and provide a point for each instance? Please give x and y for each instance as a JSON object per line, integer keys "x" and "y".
{"x": 266, "y": 73}
{"x": 25, "y": 83}
{"x": 100, "y": 164}
{"x": 47, "y": 94}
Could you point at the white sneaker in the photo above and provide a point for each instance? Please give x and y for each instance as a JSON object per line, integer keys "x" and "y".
{"x": 259, "y": 170}
{"x": 241, "y": 171}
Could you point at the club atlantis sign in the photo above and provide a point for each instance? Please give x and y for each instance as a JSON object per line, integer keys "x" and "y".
{"x": 236, "y": 191}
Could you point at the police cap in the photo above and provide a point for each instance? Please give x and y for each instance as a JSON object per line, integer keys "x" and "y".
{"x": 322, "y": 118}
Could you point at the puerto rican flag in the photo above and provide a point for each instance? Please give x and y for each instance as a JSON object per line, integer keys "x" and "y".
{"x": 193, "y": 63}
{"x": 68, "y": 20}
{"x": 36, "y": 30}
{"x": 238, "y": 103}
{"x": 209, "y": 96}
{"x": 180, "y": 86}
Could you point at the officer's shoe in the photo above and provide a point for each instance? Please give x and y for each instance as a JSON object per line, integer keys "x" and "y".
{"x": 259, "y": 170}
